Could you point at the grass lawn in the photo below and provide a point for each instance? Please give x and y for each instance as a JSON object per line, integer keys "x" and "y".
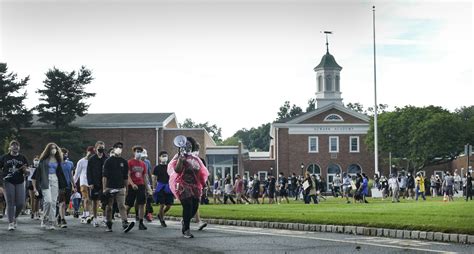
{"x": 430, "y": 215}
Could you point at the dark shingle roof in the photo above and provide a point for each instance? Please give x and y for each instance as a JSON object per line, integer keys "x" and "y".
{"x": 328, "y": 62}
{"x": 120, "y": 120}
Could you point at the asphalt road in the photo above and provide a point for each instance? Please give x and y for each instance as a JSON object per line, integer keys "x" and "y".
{"x": 80, "y": 238}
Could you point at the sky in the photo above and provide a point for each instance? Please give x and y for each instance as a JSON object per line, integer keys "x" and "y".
{"x": 234, "y": 63}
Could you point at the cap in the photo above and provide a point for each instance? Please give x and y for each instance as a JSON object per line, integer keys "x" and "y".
{"x": 118, "y": 144}
{"x": 144, "y": 153}
{"x": 14, "y": 142}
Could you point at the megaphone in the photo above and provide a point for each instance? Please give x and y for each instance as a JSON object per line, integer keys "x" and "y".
{"x": 180, "y": 142}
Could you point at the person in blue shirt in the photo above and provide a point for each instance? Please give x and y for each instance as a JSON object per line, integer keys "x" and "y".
{"x": 65, "y": 196}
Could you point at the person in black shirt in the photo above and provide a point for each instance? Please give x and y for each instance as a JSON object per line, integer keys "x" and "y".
{"x": 283, "y": 185}
{"x": 13, "y": 166}
{"x": 114, "y": 180}
{"x": 162, "y": 194}
{"x": 94, "y": 178}
{"x": 468, "y": 186}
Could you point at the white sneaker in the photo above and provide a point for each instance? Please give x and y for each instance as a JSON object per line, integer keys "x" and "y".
{"x": 95, "y": 223}
{"x": 51, "y": 227}
{"x": 11, "y": 227}
{"x": 201, "y": 225}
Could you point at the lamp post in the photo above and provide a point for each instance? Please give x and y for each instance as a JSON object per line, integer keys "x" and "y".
{"x": 302, "y": 169}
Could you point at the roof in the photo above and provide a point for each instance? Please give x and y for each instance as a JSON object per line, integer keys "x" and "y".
{"x": 328, "y": 62}
{"x": 118, "y": 120}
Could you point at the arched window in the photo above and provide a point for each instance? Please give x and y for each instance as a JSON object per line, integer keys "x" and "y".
{"x": 337, "y": 84}
{"x": 328, "y": 83}
{"x": 333, "y": 118}
{"x": 334, "y": 169}
{"x": 320, "y": 83}
{"x": 314, "y": 169}
{"x": 353, "y": 169}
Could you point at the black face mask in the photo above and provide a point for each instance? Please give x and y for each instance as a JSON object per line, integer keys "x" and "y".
{"x": 101, "y": 150}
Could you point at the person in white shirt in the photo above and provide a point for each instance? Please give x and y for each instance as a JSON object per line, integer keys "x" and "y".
{"x": 393, "y": 184}
{"x": 81, "y": 175}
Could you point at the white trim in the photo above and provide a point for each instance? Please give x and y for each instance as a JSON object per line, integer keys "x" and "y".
{"x": 317, "y": 144}
{"x": 277, "y": 157}
{"x": 358, "y": 144}
{"x": 337, "y": 144}
{"x": 225, "y": 151}
{"x": 328, "y": 107}
{"x": 334, "y": 120}
{"x": 168, "y": 120}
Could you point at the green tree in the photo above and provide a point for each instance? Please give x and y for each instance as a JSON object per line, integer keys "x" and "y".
{"x": 213, "y": 130}
{"x": 13, "y": 112}
{"x": 467, "y": 116}
{"x": 63, "y": 96}
{"x": 311, "y": 105}
{"x": 253, "y": 139}
{"x": 287, "y": 111}
{"x": 425, "y": 136}
{"x": 356, "y": 107}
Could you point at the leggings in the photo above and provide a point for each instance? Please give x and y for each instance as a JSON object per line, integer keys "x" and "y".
{"x": 15, "y": 197}
{"x": 190, "y": 207}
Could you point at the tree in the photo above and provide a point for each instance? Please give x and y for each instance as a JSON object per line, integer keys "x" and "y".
{"x": 311, "y": 105}
{"x": 356, "y": 107}
{"x": 253, "y": 139}
{"x": 425, "y": 136}
{"x": 13, "y": 112}
{"x": 467, "y": 116}
{"x": 63, "y": 96}
{"x": 213, "y": 130}
{"x": 287, "y": 111}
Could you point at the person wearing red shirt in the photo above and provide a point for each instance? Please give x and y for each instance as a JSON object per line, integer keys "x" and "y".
{"x": 137, "y": 177}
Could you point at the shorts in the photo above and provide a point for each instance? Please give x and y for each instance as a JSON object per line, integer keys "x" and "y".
{"x": 164, "y": 198}
{"x": 217, "y": 192}
{"x": 84, "y": 192}
{"x": 283, "y": 193}
{"x": 65, "y": 196}
{"x": 271, "y": 194}
{"x": 449, "y": 190}
{"x": 137, "y": 196}
{"x": 96, "y": 193}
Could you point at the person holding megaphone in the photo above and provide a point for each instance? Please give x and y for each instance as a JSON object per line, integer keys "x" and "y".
{"x": 188, "y": 175}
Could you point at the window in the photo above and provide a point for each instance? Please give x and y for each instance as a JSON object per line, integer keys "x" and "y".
{"x": 337, "y": 84}
{"x": 333, "y": 118}
{"x": 353, "y": 169}
{"x": 320, "y": 83}
{"x": 328, "y": 83}
{"x": 313, "y": 145}
{"x": 314, "y": 169}
{"x": 262, "y": 175}
{"x": 333, "y": 144}
{"x": 247, "y": 174}
{"x": 354, "y": 144}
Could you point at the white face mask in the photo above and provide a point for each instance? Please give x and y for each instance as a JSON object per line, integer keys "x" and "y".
{"x": 163, "y": 159}
{"x": 53, "y": 151}
{"x": 196, "y": 153}
{"x": 138, "y": 155}
{"x": 118, "y": 151}
{"x": 36, "y": 163}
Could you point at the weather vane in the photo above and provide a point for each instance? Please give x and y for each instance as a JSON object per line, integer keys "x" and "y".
{"x": 327, "y": 44}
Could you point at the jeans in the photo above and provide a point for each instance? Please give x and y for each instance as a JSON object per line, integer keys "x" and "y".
{"x": 418, "y": 192}
{"x": 15, "y": 199}
{"x": 50, "y": 197}
{"x": 76, "y": 204}
{"x": 190, "y": 207}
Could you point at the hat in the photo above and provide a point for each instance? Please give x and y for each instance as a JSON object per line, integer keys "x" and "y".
{"x": 118, "y": 144}
{"x": 144, "y": 153}
{"x": 14, "y": 142}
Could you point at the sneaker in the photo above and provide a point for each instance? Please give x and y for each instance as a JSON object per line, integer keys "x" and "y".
{"x": 32, "y": 215}
{"x": 63, "y": 223}
{"x": 149, "y": 217}
{"x": 142, "y": 226}
{"x": 103, "y": 223}
{"x": 11, "y": 227}
{"x": 202, "y": 225}
{"x": 109, "y": 226}
{"x": 89, "y": 219}
{"x": 51, "y": 227}
{"x": 163, "y": 223}
{"x": 95, "y": 223}
{"x": 127, "y": 226}
{"x": 43, "y": 225}
{"x": 187, "y": 234}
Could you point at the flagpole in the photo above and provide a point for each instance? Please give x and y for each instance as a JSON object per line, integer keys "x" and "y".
{"x": 375, "y": 104}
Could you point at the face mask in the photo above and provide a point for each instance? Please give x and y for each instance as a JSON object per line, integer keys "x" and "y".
{"x": 118, "y": 151}
{"x": 53, "y": 151}
{"x": 138, "y": 155}
{"x": 14, "y": 149}
{"x": 101, "y": 150}
{"x": 164, "y": 159}
{"x": 36, "y": 163}
{"x": 196, "y": 153}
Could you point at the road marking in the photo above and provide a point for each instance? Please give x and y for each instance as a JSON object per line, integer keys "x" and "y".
{"x": 306, "y": 236}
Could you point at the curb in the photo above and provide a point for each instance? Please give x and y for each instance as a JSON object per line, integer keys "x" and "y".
{"x": 354, "y": 230}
